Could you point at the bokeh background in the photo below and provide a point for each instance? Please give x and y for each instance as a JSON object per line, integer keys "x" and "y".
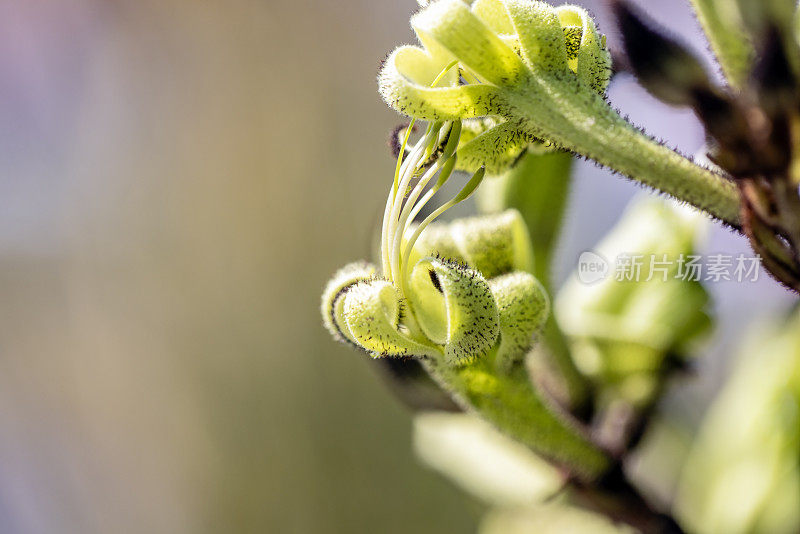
{"x": 177, "y": 181}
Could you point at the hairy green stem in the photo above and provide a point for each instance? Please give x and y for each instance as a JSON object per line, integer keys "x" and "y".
{"x": 511, "y": 403}
{"x": 588, "y": 126}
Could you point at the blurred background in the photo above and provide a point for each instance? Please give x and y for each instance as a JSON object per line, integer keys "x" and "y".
{"x": 177, "y": 182}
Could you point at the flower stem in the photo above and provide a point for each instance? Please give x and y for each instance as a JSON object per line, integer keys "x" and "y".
{"x": 511, "y": 403}
{"x": 616, "y": 498}
{"x": 582, "y": 122}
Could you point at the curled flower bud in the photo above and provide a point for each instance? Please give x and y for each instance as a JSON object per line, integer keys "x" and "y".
{"x": 372, "y": 314}
{"x": 333, "y": 297}
{"x": 663, "y": 66}
{"x": 524, "y": 307}
{"x": 454, "y": 307}
{"x": 432, "y": 306}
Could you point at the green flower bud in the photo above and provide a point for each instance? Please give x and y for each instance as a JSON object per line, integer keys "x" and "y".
{"x": 523, "y": 307}
{"x": 449, "y": 302}
{"x": 437, "y": 240}
{"x": 495, "y": 244}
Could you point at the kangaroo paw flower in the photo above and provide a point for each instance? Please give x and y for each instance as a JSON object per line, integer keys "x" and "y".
{"x": 534, "y": 73}
{"x": 459, "y": 297}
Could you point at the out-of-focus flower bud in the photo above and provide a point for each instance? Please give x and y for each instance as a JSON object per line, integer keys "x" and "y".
{"x": 625, "y": 324}
{"x": 743, "y": 473}
{"x": 663, "y": 66}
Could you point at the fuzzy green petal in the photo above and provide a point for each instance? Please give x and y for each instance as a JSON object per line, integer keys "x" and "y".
{"x": 523, "y": 307}
{"x": 333, "y": 297}
{"x": 452, "y": 24}
{"x": 437, "y": 240}
{"x": 405, "y": 85}
{"x": 496, "y": 149}
{"x": 540, "y": 34}
{"x": 372, "y": 312}
{"x": 592, "y": 62}
{"x": 492, "y": 244}
{"x": 455, "y": 308}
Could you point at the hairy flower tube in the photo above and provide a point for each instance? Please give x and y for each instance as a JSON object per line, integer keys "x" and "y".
{"x": 461, "y": 298}
{"x": 528, "y": 71}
